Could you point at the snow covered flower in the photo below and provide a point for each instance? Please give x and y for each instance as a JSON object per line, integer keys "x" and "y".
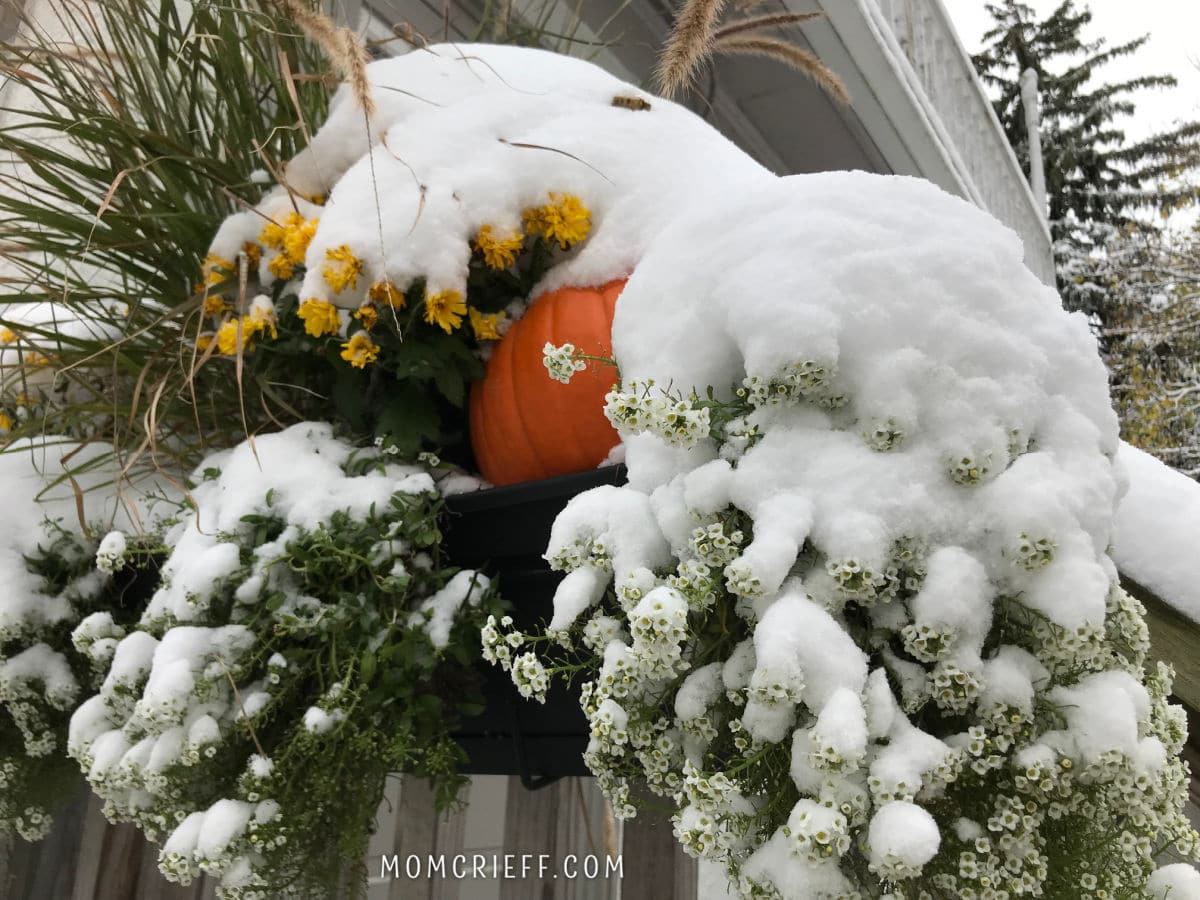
{"x": 360, "y": 350}
{"x": 341, "y": 269}
{"x": 384, "y": 293}
{"x": 445, "y": 309}
{"x": 498, "y": 252}
{"x": 7, "y": 335}
{"x": 110, "y": 557}
{"x": 260, "y": 318}
{"x": 564, "y": 219}
{"x": 560, "y": 362}
{"x": 320, "y": 317}
{"x": 216, "y": 270}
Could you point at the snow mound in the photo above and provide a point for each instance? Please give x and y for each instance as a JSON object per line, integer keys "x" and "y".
{"x": 449, "y": 121}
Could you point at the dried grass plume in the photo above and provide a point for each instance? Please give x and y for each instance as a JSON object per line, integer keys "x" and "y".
{"x": 344, "y": 48}
{"x": 695, "y": 37}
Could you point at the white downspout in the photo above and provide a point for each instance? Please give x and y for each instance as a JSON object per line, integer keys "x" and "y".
{"x": 1033, "y": 115}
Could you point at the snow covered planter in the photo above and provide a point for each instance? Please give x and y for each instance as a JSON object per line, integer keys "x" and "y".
{"x": 854, "y": 613}
{"x": 306, "y": 641}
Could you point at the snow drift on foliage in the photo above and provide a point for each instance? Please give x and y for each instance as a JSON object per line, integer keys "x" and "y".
{"x": 470, "y": 136}
{"x": 1158, "y": 528}
{"x": 908, "y": 517}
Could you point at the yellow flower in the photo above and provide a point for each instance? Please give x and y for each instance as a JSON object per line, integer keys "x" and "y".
{"x": 215, "y": 306}
{"x": 273, "y": 232}
{"x": 203, "y": 342}
{"x": 216, "y": 269}
{"x": 7, "y": 335}
{"x": 368, "y": 315}
{"x": 296, "y": 239}
{"x": 384, "y": 293}
{"x": 498, "y": 253}
{"x": 486, "y": 327}
{"x": 320, "y": 317}
{"x": 37, "y": 361}
{"x": 341, "y": 269}
{"x": 565, "y": 219}
{"x": 253, "y": 254}
{"x": 360, "y": 350}
{"x": 261, "y": 317}
{"x": 6, "y": 422}
{"x": 281, "y": 267}
{"x": 230, "y": 340}
{"x": 445, "y": 309}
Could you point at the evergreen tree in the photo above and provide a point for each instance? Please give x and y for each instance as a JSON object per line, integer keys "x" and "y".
{"x": 1094, "y": 178}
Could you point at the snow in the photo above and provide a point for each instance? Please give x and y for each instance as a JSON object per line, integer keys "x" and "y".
{"x": 437, "y": 613}
{"x": 1158, "y": 524}
{"x": 1177, "y": 881}
{"x": 296, "y": 475}
{"x": 913, "y": 393}
{"x": 34, "y": 489}
{"x": 447, "y": 121}
{"x": 904, "y": 831}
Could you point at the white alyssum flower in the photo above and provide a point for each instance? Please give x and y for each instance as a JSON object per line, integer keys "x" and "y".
{"x": 560, "y": 362}
{"x": 110, "y": 556}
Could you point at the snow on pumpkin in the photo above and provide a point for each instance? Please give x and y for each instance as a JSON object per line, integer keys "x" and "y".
{"x": 884, "y": 461}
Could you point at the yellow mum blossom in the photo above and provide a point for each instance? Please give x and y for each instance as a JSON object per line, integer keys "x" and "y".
{"x": 215, "y": 306}
{"x": 37, "y": 361}
{"x": 7, "y": 335}
{"x": 384, "y": 293}
{"x": 498, "y": 253}
{"x": 485, "y": 326}
{"x": 341, "y": 268}
{"x": 230, "y": 339}
{"x": 203, "y": 342}
{"x": 296, "y": 239}
{"x": 216, "y": 269}
{"x": 281, "y": 267}
{"x": 6, "y": 422}
{"x": 565, "y": 219}
{"x": 253, "y": 254}
{"x": 360, "y": 350}
{"x": 273, "y": 232}
{"x": 320, "y": 317}
{"x": 445, "y": 309}
{"x": 261, "y": 317}
{"x": 368, "y": 315}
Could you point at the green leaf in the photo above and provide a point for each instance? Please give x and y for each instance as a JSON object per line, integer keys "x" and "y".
{"x": 367, "y": 666}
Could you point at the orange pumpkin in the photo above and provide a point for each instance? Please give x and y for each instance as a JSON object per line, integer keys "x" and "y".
{"x": 524, "y": 425}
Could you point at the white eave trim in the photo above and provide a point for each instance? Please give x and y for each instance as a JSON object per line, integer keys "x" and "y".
{"x": 890, "y": 101}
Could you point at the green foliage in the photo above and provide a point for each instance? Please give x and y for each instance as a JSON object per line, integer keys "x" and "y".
{"x": 133, "y": 140}
{"x": 1150, "y": 284}
{"x": 316, "y": 673}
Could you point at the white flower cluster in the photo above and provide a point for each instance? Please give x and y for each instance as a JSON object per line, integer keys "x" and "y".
{"x": 885, "y": 653}
{"x": 110, "y": 556}
{"x": 635, "y": 408}
{"x": 561, "y": 363}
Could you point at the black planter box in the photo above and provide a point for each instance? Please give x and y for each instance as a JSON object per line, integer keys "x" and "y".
{"x": 504, "y": 532}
